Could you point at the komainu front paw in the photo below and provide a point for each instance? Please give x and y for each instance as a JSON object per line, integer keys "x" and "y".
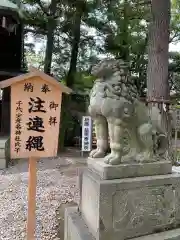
{"x": 97, "y": 153}
{"x": 112, "y": 159}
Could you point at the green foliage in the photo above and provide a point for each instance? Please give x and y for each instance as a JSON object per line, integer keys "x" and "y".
{"x": 175, "y": 20}
{"x": 117, "y": 28}
{"x": 174, "y": 72}
{"x": 83, "y": 82}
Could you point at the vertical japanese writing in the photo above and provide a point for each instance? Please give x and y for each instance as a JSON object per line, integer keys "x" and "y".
{"x": 36, "y": 105}
{"x": 52, "y": 121}
{"x": 86, "y": 140}
{"x": 45, "y": 88}
{"x": 177, "y": 119}
{"x": 35, "y": 124}
{"x": 86, "y": 134}
{"x": 35, "y": 114}
{"x": 28, "y": 87}
{"x": 35, "y": 142}
{"x": 53, "y": 107}
{"x": 18, "y": 127}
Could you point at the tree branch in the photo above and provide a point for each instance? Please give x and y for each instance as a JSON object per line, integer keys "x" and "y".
{"x": 42, "y": 7}
{"x": 175, "y": 36}
{"x": 148, "y": 2}
{"x": 35, "y": 31}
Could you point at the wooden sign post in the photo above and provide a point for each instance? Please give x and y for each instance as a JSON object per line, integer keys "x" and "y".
{"x": 35, "y": 118}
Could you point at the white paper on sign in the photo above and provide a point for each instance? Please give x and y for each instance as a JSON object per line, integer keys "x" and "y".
{"x": 86, "y": 133}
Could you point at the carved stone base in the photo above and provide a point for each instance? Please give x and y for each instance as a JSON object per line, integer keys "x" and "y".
{"x": 126, "y": 208}
{"x": 76, "y": 229}
{"x": 106, "y": 171}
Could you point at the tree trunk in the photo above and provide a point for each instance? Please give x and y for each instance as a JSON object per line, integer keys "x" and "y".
{"x": 125, "y": 35}
{"x": 157, "y": 70}
{"x": 72, "y": 70}
{"x": 51, "y": 26}
{"x": 75, "y": 43}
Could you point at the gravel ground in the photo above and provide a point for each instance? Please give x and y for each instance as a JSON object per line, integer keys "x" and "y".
{"x": 57, "y": 185}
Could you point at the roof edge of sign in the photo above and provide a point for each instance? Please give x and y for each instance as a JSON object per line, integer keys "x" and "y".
{"x": 35, "y": 73}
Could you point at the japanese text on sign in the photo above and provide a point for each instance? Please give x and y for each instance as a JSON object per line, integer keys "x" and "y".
{"x": 18, "y": 122}
{"x": 177, "y": 118}
{"x": 35, "y": 124}
{"x": 36, "y": 118}
{"x": 86, "y": 134}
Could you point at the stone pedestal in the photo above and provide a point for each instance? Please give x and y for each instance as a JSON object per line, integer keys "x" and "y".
{"x": 106, "y": 171}
{"x": 76, "y": 229}
{"x": 128, "y": 207}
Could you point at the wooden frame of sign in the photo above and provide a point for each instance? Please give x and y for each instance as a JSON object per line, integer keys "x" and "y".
{"x": 35, "y": 118}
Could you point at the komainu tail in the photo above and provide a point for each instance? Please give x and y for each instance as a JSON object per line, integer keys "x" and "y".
{"x": 160, "y": 137}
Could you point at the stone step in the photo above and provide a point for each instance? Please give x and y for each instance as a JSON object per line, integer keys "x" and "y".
{"x": 2, "y": 163}
{"x": 168, "y": 235}
{"x": 2, "y": 143}
{"x": 2, "y": 152}
{"x": 75, "y": 227}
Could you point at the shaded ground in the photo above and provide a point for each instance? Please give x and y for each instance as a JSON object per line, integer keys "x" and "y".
{"x": 57, "y": 187}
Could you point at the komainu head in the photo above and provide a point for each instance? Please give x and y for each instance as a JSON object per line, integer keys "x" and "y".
{"x": 108, "y": 67}
{"x": 114, "y": 73}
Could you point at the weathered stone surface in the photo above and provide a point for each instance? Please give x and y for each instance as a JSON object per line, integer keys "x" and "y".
{"x": 116, "y": 110}
{"x": 3, "y": 162}
{"x": 106, "y": 171}
{"x": 76, "y": 229}
{"x": 167, "y": 235}
{"x": 2, "y": 152}
{"x": 130, "y": 207}
{"x": 3, "y": 142}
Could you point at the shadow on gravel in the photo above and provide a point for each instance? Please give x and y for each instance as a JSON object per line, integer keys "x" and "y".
{"x": 70, "y": 159}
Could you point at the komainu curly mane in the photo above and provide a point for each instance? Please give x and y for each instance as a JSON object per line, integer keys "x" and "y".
{"x": 116, "y": 76}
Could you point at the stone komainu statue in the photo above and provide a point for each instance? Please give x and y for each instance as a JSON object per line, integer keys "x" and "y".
{"x": 116, "y": 109}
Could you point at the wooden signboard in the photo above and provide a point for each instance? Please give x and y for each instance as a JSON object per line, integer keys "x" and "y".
{"x": 35, "y": 118}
